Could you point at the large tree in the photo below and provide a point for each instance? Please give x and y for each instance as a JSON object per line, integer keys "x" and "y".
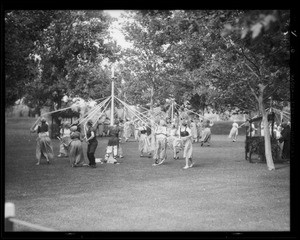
{"x": 64, "y": 57}
{"x": 259, "y": 48}
{"x": 22, "y": 30}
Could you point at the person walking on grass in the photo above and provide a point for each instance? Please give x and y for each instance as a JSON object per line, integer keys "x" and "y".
{"x": 44, "y": 147}
{"x": 92, "y": 143}
{"x": 185, "y": 134}
{"x": 160, "y": 152}
{"x": 174, "y": 142}
{"x": 76, "y": 155}
{"x": 234, "y": 131}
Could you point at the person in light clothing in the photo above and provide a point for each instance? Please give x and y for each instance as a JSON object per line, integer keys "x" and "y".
{"x": 174, "y": 142}
{"x": 185, "y": 134}
{"x": 160, "y": 152}
{"x": 194, "y": 131}
{"x": 127, "y": 130}
{"x": 64, "y": 140}
{"x": 136, "y": 124}
{"x": 234, "y": 131}
{"x": 144, "y": 143}
{"x": 76, "y": 155}
{"x": 199, "y": 130}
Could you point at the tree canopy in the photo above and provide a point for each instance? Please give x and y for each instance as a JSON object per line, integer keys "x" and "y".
{"x": 214, "y": 58}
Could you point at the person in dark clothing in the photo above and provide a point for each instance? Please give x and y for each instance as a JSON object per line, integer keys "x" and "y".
{"x": 92, "y": 144}
{"x": 285, "y": 138}
{"x": 44, "y": 148}
{"x": 113, "y": 143}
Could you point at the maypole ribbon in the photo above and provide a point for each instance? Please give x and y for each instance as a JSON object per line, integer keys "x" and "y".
{"x": 89, "y": 117}
{"x": 100, "y": 115}
{"x": 135, "y": 113}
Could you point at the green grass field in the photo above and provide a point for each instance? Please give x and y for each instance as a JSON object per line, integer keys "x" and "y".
{"x": 222, "y": 192}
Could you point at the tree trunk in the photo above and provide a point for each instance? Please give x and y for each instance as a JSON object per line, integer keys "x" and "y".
{"x": 268, "y": 151}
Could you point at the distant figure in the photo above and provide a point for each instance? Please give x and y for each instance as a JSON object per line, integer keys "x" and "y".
{"x": 194, "y": 131}
{"x": 199, "y": 129}
{"x": 44, "y": 147}
{"x": 206, "y": 134}
{"x": 285, "y": 138}
{"x": 144, "y": 143}
{"x": 127, "y": 130}
{"x": 174, "y": 142}
{"x": 121, "y": 135}
{"x": 136, "y": 124}
{"x": 234, "y": 131}
{"x": 262, "y": 129}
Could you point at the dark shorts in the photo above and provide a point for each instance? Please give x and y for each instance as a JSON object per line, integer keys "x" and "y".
{"x": 114, "y": 141}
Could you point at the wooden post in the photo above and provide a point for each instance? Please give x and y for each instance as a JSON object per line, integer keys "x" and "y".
{"x": 9, "y": 213}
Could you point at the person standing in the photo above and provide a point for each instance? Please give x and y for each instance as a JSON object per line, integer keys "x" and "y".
{"x": 194, "y": 131}
{"x": 286, "y": 140}
{"x": 174, "y": 142}
{"x": 136, "y": 124}
{"x": 76, "y": 155}
{"x": 121, "y": 134}
{"x": 185, "y": 134}
{"x": 127, "y": 130}
{"x": 64, "y": 140}
{"x": 160, "y": 152}
{"x": 44, "y": 147}
{"x": 92, "y": 144}
{"x": 252, "y": 129}
{"x": 113, "y": 143}
{"x": 206, "y": 135}
{"x": 199, "y": 129}
{"x": 144, "y": 143}
{"x": 234, "y": 131}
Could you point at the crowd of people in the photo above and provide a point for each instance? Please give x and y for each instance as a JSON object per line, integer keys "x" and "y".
{"x": 154, "y": 137}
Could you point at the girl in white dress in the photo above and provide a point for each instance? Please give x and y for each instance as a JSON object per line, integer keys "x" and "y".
{"x": 234, "y": 131}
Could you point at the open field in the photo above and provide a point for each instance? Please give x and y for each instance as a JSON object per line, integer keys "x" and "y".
{"x": 222, "y": 192}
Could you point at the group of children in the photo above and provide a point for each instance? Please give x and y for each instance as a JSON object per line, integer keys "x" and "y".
{"x": 178, "y": 137}
{"x": 164, "y": 134}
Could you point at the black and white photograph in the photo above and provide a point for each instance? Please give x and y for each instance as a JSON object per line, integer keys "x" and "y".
{"x": 147, "y": 120}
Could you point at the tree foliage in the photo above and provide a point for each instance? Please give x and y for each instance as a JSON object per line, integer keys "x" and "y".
{"x": 66, "y": 56}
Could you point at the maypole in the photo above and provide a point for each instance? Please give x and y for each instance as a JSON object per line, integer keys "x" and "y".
{"x": 112, "y": 96}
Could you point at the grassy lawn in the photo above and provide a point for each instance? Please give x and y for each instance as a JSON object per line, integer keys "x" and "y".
{"x": 222, "y": 192}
